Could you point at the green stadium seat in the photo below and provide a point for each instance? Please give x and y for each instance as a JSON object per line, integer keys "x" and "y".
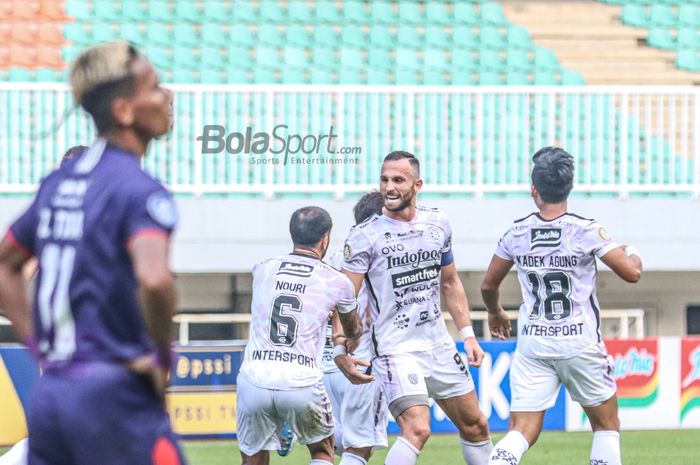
{"x": 272, "y": 12}
{"x": 212, "y": 76}
{"x": 216, "y": 11}
{"x": 462, "y": 60}
{"x": 545, "y": 78}
{"x": 160, "y": 58}
{"x": 407, "y": 59}
{"x": 264, "y": 76}
{"x": 298, "y": 11}
{"x": 354, "y": 12}
{"x": 47, "y": 75}
{"x": 351, "y": 58}
{"x": 106, "y": 11}
{"x": 294, "y": 56}
{"x": 634, "y": 15}
{"x": 185, "y": 57}
{"x": 406, "y": 77}
{"x": 518, "y": 38}
{"x": 214, "y": 34}
{"x": 378, "y": 77}
{"x": 268, "y": 34}
{"x": 491, "y": 37}
{"x": 490, "y": 60}
{"x": 407, "y": 36}
{"x": 298, "y": 35}
{"x": 187, "y": 10}
{"x": 378, "y": 58}
{"x": 464, "y": 37}
{"x": 158, "y": 12}
{"x": 572, "y": 78}
{"x": 464, "y": 13}
{"x": 244, "y": 12}
{"x": 77, "y": 34}
{"x": 104, "y": 32}
{"x": 211, "y": 57}
{"x": 436, "y": 13}
{"x": 434, "y": 58}
{"x": 133, "y": 33}
{"x": 79, "y": 10}
{"x": 158, "y": 34}
{"x": 383, "y": 13}
{"x": 241, "y": 34}
{"x": 320, "y": 76}
{"x": 19, "y": 75}
{"x": 69, "y": 53}
{"x": 266, "y": 56}
{"x": 545, "y": 59}
{"x": 489, "y": 78}
{"x": 661, "y": 38}
{"x": 186, "y": 34}
{"x": 325, "y": 35}
{"x": 492, "y": 13}
{"x": 434, "y": 78}
{"x": 689, "y": 16}
{"x": 518, "y": 60}
{"x": 352, "y": 36}
{"x": 514, "y": 78}
{"x": 237, "y": 76}
{"x": 409, "y": 12}
{"x": 688, "y": 60}
{"x": 135, "y": 12}
{"x": 348, "y": 76}
{"x": 185, "y": 76}
{"x": 293, "y": 76}
{"x": 461, "y": 77}
{"x": 435, "y": 36}
{"x": 662, "y": 15}
{"x": 327, "y": 12}
{"x": 380, "y": 36}
{"x": 688, "y": 39}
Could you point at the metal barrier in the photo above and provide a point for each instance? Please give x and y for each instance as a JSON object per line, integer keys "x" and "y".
{"x": 471, "y": 140}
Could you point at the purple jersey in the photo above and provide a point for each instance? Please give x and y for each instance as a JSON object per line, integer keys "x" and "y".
{"x": 79, "y": 226}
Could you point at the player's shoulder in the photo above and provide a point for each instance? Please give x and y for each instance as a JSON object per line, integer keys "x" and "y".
{"x": 430, "y": 213}
{"x": 370, "y": 229}
{"x": 577, "y": 222}
{"x": 522, "y": 224}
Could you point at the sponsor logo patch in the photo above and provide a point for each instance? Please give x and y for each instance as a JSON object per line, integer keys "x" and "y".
{"x": 161, "y": 207}
{"x": 401, "y": 321}
{"x": 604, "y": 234}
{"x": 295, "y": 269}
{"x": 545, "y": 237}
{"x": 413, "y": 378}
{"x": 415, "y": 276}
{"x": 347, "y": 252}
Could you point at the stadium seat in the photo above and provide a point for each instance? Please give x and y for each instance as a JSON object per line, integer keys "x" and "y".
{"x": 77, "y": 34}
{"x": 409, "y": 12}
{"x": 133, "y": 33}
{"x": 104, "y": 32}
{"x": 434, "y": 78}
{"x": 213, "y": 35}
{"x": 492, "y": 37}
{"x": 352, "y": 36}
{"x": 268, "y": 34}
{"x": 407, "y": 59}
{"x": 159, "y": 11}
{"x": 661, "y": 38}
{"x": 325, "y": 35}
{"x": 518, "y": 61}
{"x": 296, "y": 57}
{"x": 79, "y": 10}
{"x": 464, "y": 13}
{"x": 463, "y": 37}
{"x": 186, "y": 35}
{"x": 634, "y": 15}
{"x": 321, "y": 76}
{"x": 134, "y": 12}
{"x": 186, "y": 58}
{"x": 350, "y": 76}
{"x": 383, "y": 13}
{"x": 184, "y": 76}
{"x": 69, "y": 53}
{"x": 518, "y": 38}
{"x": 489, "y": 78}
{"x": 323, "y": 57}
{"x": 379, "y": 77}
{"x": 241, "y": 34}
{"x": 216, "y": 11}
{"x": 544, "y": 78}
{"x": 434, "y": 59}
{"x": 461, "y": 77}
{"x": 689, "y": 16}
{"x": 266, "y": 56}
{"x": 327, "y": 12}
{"x": 490, "y": 60}
{"x": 435, "y": 36}
{"x": 211, "y": 76}
{"x": 272, "y": 12}
{"x": 492, "y": 13}
{"x": 406, "y": 77}
{"x": 298, "y": 35}
{"x": 462, "y": 60}
{"x": 688, "y": 59}
{"x": 106, "y": 11}
{"x": 47, "y": 75}
{"x": 351, "y": 59}
{"x": 187, "y": 11}
{"x": 19, "y": 75}
{"x": 264, "y": 76}
{"x": 545, "y": 59}
{"x": 236, "y": 75}
{"x": 53, "y": 10}
{"x": 298, "y": 11}
{"x": 380, "y": 36}
{"x": 159, "y": 57}
{"x": 688, "y": 39}
{"x": 158, "y": 34}
{"x": 244, "y": 12}
{"x": 436, "y": 13}
{"x": 407, "y": 36}
{"x": 293, "y": 76}
{"x": 662, "y": 15}
{"x": 572, "y": 78}
{"x": 514, "y": 78}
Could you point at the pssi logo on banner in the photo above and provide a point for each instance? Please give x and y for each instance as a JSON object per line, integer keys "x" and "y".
{"x": 690, "y": 375}
{"x": 636, "y": 370}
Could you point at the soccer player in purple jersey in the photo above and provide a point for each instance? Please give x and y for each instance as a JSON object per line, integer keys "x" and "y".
{"x": 104, "y": 298}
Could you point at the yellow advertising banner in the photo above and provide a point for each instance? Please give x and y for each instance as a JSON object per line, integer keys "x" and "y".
{"x": 203, "y": 413}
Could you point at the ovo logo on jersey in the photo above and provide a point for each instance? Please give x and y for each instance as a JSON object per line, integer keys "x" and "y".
{"x": 545, "y": 237}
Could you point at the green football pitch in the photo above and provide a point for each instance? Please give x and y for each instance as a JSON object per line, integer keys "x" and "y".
{"x": 672, "y": 447}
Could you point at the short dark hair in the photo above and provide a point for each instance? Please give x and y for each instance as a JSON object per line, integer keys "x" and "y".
{"x": 308, "y": 225}
{"x": 553, "y": 174}
{"x": 369, "y": 204}
{"x": 73, "y": 152}
{"x": 400, "y": 155}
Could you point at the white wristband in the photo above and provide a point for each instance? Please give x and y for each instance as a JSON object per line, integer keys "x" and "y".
{"x": 467, "y": 331}
{"x": 339, "y": 350}
{"x": 629, "y": 250}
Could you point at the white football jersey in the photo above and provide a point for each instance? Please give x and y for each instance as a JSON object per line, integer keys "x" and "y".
{"x": 556, "y": 263}
{"x": 363, "y": 349}
{"x": 401, "y": 261}
{"x": 293, "y": 296}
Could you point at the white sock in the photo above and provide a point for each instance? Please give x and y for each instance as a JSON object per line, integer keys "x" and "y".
{"x": 402, "y": 453}
{"x": 605, "y": 449}
{"x": 476, "y": 453}
{"x": 352, "y": 459}
{"x": 17, "y": 455}
{"x": 319, "y": 462}
{"x": 509, "y": 450}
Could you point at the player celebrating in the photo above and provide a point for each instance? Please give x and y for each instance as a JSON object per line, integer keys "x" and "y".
{"x": 293, "y": 296}
{"x": 359, "y": 410}
{"x": 559, "y": 337}
{"x": 105, "y": 295}
{"x": 407, "y": 259}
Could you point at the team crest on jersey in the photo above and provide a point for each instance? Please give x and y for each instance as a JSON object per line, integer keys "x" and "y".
{"x": 604, "y": 234}
{"x": 401, "y": 321}
{"x": 545, "y": 237}
{"x": 434, "y": 234}
{"x": 347, "y": 251}
{"x": 387, "y": 236}
{"x": 295, "y": 269}
{"x": 161, "y": 208}
{"x": 413, "y": 378}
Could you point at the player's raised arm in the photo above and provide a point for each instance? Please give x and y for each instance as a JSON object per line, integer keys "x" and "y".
{"x": 499, "y": 324}
{"x": 626, "y": 262}
{"x": 13, "y": 295}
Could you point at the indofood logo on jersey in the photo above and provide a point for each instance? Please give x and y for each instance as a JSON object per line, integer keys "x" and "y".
{"x": 413, "y": 258}
{"x": 545, "y": 237}
{"x": 636, "y": 370}
{"x": 690, "y": 375}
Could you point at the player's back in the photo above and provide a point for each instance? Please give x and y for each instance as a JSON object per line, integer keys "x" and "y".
{"x": 293, "y": 296}
{"x": 85, "y": 213}
{"x": 556, "y": 263}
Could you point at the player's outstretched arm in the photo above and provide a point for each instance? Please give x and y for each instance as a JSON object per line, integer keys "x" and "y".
{"x": 625, "y": 262}
{"x": 457, "y": 304}
{"x": 499, "y": 324}
{"x": 13, "y": 294}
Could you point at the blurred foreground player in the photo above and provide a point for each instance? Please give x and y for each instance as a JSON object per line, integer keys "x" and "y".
{"x": 559, "y": 338}
{"x": 280, "y": 378}
{"x": 105, "y": 295}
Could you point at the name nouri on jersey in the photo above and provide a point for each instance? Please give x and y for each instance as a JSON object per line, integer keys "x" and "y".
{"x": 413, "y": 258}
{"x": 545, "y": 237}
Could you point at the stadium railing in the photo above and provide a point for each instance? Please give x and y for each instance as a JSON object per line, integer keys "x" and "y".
{"x": 472, "y": 140}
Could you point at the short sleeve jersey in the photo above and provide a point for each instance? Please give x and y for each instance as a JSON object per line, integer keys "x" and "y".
{"x": 293, "y": 296}
{"x": 556, "y": 264}
{"x": 402, "y": 261}
{"x": 79, "y": 226}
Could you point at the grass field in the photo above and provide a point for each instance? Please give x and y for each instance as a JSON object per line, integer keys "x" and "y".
{"x": 674, "y": 447}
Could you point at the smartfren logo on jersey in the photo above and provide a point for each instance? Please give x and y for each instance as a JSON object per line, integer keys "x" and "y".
{"x": 545, "y": 237}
